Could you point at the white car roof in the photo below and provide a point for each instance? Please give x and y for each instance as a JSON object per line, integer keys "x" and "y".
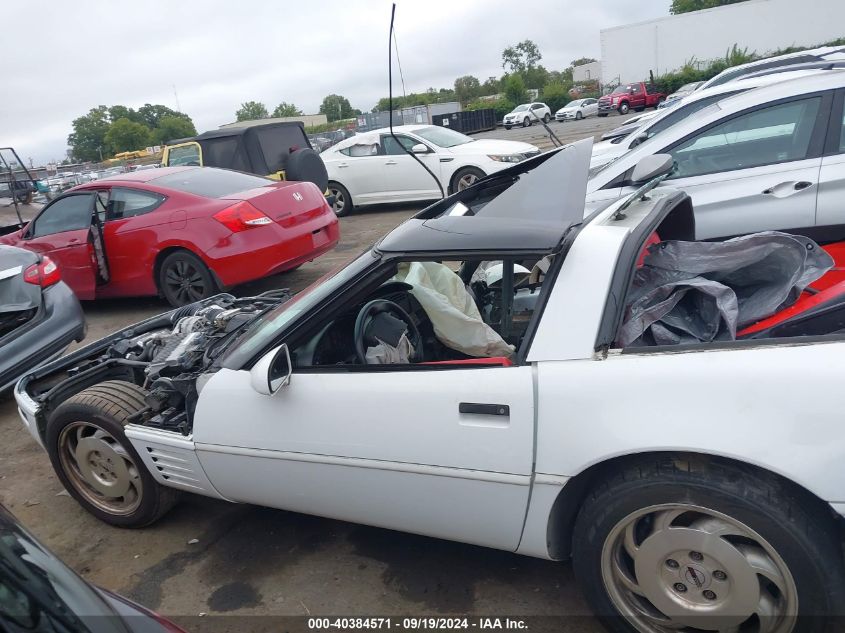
{"x": 813, "y": 82}
{"x": 821, "y": 51}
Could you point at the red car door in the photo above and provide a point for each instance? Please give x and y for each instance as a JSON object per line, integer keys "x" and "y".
{"x": 63, "y": 230}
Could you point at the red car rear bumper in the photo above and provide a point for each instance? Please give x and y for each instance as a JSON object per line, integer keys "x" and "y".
{"x": 266, "y": 250}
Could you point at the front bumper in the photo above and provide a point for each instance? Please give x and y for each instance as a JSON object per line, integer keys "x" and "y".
{"x": 607, "y": 107}
{"x": 564, "y": 116}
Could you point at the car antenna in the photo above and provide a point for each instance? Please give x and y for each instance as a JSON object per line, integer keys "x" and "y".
{"x": 552, "y": 136}
{"x": 390, "y": 41}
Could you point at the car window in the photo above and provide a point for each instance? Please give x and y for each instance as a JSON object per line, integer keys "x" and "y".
{"x": 209, "y": 182}
{"x": 769, "y": 135}
{"x": 443, "y": 137}
{"x": 392, "y": 148}
{"x": 636, "y": 89}
{"x": 184, "y": 155}
{"x": 127, "y": 203}
{"x": 537, "y": 106}
{"x": 360, "y": 149}
{"x": 682, "y": 111}
{"x": 842, "y": 134}
{"x": 70, "y": 213}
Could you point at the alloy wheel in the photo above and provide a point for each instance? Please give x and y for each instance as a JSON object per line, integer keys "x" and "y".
{"x": 185, "y": 281}
{"x": 100, "y": 468}
{"x": 673, "y": 566}
{"x": 339, "y": 200}
{"x": 467, "y": 180}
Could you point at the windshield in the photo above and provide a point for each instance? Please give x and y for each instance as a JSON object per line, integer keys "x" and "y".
{"x": 573, "y": 104}
{"x": 443, "y": 137}
{"x": 267, "y": 327}
{"x": 621, "y": 90}
{"x": 520, "y": 108}
{"x": 687, "y": 87}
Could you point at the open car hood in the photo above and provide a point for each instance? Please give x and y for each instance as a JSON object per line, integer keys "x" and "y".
{"x": 540, "y": 199}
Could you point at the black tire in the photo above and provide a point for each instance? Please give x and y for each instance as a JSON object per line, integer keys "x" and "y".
{"x": 526, "y": 122}
{"x": 578, "y": 116}
{"x": 470, "y": 173}
{"x": 343, "y": 201}
{"x": 183, "y": 278}
{"x": 623, "y": 108}
{"x": 305, "y": 165}
{"x": 507, "y": 127}
{"x": 108, "y": 405}
{"x": 798, "y": 527}
{"x": 547, "y": 117}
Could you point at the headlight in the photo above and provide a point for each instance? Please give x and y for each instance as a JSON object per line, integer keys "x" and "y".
{"x": 506, "y": 158}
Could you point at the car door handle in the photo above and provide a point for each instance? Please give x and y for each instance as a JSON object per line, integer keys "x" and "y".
{"x": 342, "y": 165}
{"x": 73, "y": 240}
{"x": 783, "y": 189}
{"x": 390, "y": 162}
{"x": 476, "y": 408}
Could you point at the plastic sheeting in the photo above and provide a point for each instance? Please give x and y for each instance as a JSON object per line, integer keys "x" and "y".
{"x": 687, "y": 292}
{"x": 451, "y": 310}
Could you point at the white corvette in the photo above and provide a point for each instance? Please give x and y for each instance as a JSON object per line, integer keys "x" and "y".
{"x": 691, "y": 467}
{"x": 375, "y": 168}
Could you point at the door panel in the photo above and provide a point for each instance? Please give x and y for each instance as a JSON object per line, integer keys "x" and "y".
{"x": 830, "y": 207}
{"x": 404, "y": 178}
{"x": 383, "y": 448}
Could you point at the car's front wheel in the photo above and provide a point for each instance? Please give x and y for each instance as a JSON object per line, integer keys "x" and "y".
{"x": 342, "y": 200}
{"x": 526, "y": 122}
{"x": 623, "y": 108}
{"x": 578, "y": 116}
{"x": 183, "y": 278}
{"x": 671, "y": 543}
{"x": 507, "y": 127}
{"x": 95, "y": 462}
{"x": 465, "y": 178}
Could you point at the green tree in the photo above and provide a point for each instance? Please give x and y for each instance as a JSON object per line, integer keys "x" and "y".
{"x": 151, "y": 115}
{"x": 556, "y": 95}
{"x": 286, "y": 109}
{"x": 337, "y": 108}
{"x": 251, "y": 110}
{"x": 491, "y": 86}
{"x": 89, "y": 135}
{"x": 514, "y": 88}
{"x": 467, "y": 88}
{"x": 685, "y": 6}
{"x": 581, "y": 61}
{"x": 173, "y": 127}
{"x": 125, "y": 135}
{"x": 521, "y": 57}
{"x": 122, "y": 112}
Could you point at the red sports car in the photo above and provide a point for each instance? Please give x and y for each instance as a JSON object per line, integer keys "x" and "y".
{"x": 184, "y": 233}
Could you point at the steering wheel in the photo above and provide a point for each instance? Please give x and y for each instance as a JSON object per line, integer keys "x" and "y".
{"x": 364, "y": 339}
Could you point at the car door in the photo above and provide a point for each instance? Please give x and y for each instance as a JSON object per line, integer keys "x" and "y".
{"x": 398, "y": 449}
{"x": 404, "y": 179}
{"x": 65, "y": 231}
{"x": 360, "y": 168}
{"x": 830, "y": 208}
{"x": 754, "y": 171}
{"x": 591, "y": 107}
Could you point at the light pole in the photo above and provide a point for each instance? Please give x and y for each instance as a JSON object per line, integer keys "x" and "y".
{"x": 100, "y": 149}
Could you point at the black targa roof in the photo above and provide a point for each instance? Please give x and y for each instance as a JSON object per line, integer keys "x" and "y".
{"x": 542, "y": 198}
{"x": 258, "y": 149}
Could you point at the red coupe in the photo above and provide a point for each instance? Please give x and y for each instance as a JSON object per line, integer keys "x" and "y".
{"x": 180, "y": 232}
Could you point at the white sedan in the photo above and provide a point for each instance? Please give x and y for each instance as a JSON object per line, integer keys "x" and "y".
{"x": 527, "y": 114}
{"x": 373, "y": 168}
{"x": 577, "y": 109}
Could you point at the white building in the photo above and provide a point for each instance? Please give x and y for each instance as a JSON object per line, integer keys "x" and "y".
{"x": 629, "y": 52}
{"x": 587, "y": 72}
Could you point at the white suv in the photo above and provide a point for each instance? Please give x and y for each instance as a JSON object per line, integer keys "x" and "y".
{"x": 526, "y": 114}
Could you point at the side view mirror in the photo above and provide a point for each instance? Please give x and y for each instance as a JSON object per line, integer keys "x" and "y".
{"x": 419, "y": 148}
{"x": 652, "y": 166}
{"x": 272, "y": 371}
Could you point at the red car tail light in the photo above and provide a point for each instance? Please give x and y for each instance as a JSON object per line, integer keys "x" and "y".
{"x": 241, "y": 216}
{"x": 44, "y": 274}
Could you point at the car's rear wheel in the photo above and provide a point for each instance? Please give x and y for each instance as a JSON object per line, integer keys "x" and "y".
{"x": 342, "y": 200}
{"x": 95, "y": 462}
{"x": 183, "y": 278}
{"x": 668, "y": 543}
{"x": 465, "y": 178}
{"x": 547, "y": 117}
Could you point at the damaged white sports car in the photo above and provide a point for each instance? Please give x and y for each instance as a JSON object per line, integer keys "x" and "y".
{"x": 499, "y": 371}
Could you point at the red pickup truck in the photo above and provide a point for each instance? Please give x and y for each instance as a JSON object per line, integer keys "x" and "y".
{"x": 636, "y": 96}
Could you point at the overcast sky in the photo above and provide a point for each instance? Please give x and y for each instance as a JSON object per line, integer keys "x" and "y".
{"x": 73, "y": 56}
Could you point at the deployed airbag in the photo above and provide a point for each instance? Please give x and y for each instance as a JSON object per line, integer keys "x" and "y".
{"x": 687, "y": 292}
{"x": 451, "y": 310}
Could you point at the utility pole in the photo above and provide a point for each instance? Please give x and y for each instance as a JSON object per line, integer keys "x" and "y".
{"x": 100, "y": 149}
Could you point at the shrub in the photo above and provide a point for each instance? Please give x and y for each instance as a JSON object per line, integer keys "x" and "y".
{"x": 556, "y": 95}
{"x": 501, "y": 105}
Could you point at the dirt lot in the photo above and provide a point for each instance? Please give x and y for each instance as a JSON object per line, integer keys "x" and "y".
{"x": 255, "y": 561}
